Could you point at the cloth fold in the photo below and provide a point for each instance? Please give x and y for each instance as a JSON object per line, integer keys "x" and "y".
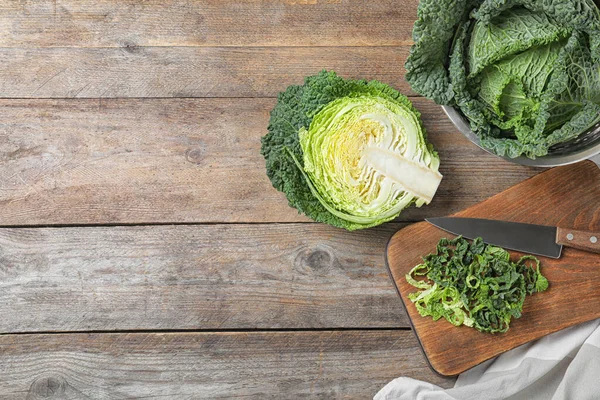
{"x": 562, "y": 366}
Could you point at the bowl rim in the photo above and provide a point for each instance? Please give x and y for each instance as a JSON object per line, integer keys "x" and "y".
{"x": 547, "y": 161}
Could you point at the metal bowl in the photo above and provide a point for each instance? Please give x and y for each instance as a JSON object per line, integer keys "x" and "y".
{"x": 585, "y": 147}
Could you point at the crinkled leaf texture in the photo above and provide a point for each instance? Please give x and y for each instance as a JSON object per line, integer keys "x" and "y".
{"x": 525, "y": 73}
{"x": 474, "y": 284}
{"x": 315, "y": 180}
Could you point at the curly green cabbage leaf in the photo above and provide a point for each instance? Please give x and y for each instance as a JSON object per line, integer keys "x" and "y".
{"x": 525, "y": 73}
{"x": 474, "y": 284}
{"x": 349, "y": 153}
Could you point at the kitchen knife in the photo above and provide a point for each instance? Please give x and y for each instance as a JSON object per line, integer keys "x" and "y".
{"x": 527, "y": 238}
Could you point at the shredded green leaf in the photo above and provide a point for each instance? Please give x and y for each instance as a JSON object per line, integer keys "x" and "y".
{"x": 474, "y": 284}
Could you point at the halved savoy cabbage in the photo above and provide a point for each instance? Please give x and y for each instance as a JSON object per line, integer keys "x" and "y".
{"x": 349, "y": 153}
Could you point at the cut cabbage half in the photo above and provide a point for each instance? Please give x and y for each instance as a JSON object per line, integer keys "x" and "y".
{"x": 367, "y": 159}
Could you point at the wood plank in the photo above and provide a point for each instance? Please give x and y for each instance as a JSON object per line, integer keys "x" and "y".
{"x": 116, "y": 23}
{"x": 187, "y": 71}
{"x": 182, "y": 160}
{"x": 195, "y": 277}
{"x": 259, "y": 365}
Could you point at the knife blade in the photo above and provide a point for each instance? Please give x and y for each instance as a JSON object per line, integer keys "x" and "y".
{"x": 526, "y": 238}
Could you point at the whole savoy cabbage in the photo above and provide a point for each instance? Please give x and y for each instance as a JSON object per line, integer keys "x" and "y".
{"x": 525, "y": 73}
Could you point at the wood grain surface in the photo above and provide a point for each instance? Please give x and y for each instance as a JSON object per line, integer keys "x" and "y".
{"x": 565, "y": 196}
{"x": 128, "y": 23}
{"x": 255, "y": 365}
{"x": 187, "y": 71}
{"x": 113, "y": 161}
{"x": 300, "y": 276}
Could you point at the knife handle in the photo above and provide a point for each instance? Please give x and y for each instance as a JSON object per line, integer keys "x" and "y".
{"x": 582, "y": 240}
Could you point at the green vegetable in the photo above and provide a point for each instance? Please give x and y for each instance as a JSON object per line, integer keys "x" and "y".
{"x": 474, "y": 284}
{"x": 349, "y": 153}
{"x": 525, "y": 73}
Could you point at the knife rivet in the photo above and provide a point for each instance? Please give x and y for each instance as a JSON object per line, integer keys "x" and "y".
{"x": 593, "y": 239}
{"x": 570, "y": 236}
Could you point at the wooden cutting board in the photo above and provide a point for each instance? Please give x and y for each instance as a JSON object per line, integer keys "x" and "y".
{"x": 565, "y": 196}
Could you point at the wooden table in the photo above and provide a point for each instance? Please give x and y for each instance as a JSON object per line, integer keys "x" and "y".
{"x": 143, "y": 251}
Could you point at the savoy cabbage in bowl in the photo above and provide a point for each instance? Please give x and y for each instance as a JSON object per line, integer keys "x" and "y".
{"x": 524, "y": 73}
